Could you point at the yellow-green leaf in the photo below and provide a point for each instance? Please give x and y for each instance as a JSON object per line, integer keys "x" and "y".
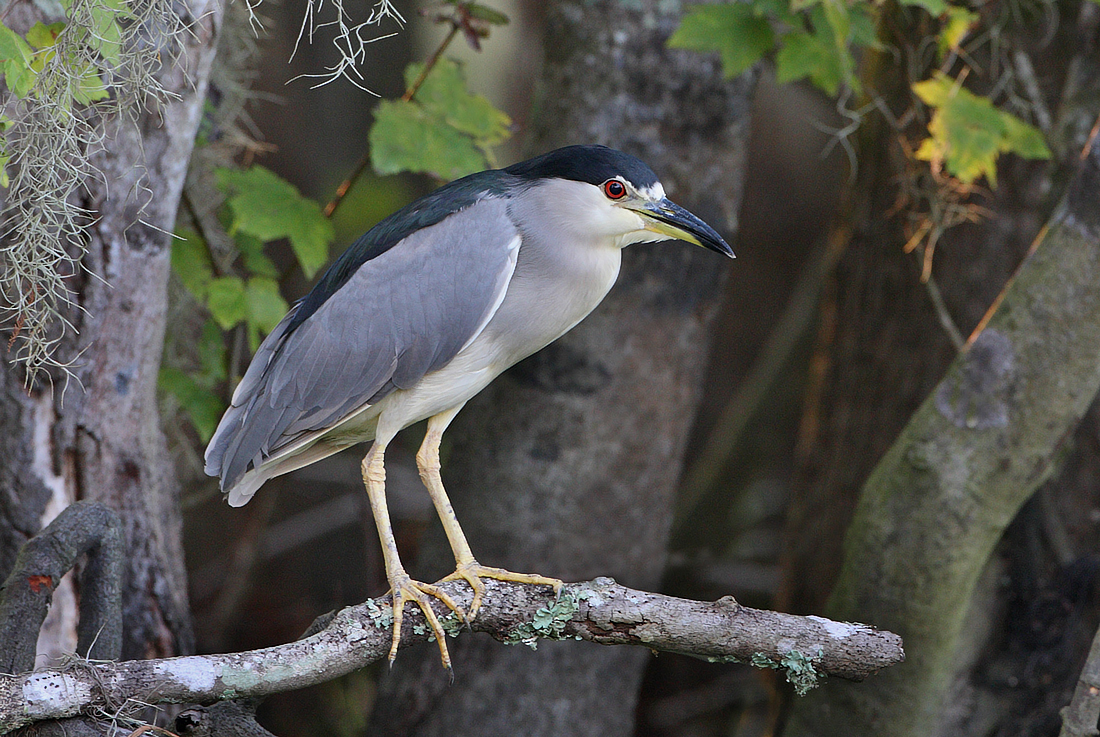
{"x": 958, "y": 23}
{"x": 967, "y": 132}
{"x": 41, "y": 36}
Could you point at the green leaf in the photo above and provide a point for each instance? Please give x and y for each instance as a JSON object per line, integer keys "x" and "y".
{"x": 255, "y": 260}
{"x": 406, "y": 137}
{"x": 737, "y": 31}
{"x": 444, "y": 94}
{"x": 1024, "y": 140}
{"x": 107, "y": 39}
{"x": 490, "y": 16}
{"x": 445, "y": 130}
{"x": 211, "y": 353}
{"x": 833, "y": 26}
{"x": 88, "y": 86}
{"x": 268, "y": 207}
{"x": 202, "y": 405}
{"x": 935, "y": 8}
{"x": 191, "y": 263}
{"x": 836, "y": 18}
{"x": 864, "y": 32}
{"x": 803, "y": 55}
{"x": 16, "y": 58}
{"x": 967, "y": 132}
{"x": 226, "y": 300}
{"x": 266, "y": 307}
{"x": 779, "y": 10}
{"x": 105, "y": 35}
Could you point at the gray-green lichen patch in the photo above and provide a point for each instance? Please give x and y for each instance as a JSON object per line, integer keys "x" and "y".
{"x": 450, "y": 623}
{"x": 548, "y": 622}
{"x": 592, "y": 596}
{"x": 799, "y": 668}
{"x": 381, "y": 616}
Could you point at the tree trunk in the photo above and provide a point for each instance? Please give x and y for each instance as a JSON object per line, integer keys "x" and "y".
{"x": 567, "y": 465}
{"x": 941, "y": 497}
{"x": 104, "y": 442}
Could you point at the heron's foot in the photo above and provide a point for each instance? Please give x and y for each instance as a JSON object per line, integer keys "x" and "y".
{"x": 405, "y": 589}
{"x": 473, "y": 572}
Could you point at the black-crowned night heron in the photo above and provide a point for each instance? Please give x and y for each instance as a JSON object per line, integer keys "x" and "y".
{"x": 422, "y": 312}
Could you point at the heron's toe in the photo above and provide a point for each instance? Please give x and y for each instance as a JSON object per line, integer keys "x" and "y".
{"x": 406, "y": 590}
{"x": 473, "y": 572}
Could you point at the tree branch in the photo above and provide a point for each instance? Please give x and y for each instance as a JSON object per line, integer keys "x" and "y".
{"x": 1080, "y": 716}
{"x": 83, "y": 527}
{"x": 599, "y": 611}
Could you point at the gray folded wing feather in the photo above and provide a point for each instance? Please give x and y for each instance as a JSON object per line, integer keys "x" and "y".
{"x": 401, "y": 315}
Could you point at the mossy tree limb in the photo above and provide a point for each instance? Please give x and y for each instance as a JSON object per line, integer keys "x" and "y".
{"x": 599, "y": 611}
{"x": 937, "y": 503}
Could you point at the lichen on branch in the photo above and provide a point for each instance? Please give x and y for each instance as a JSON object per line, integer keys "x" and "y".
{"x": 600, "y": 611}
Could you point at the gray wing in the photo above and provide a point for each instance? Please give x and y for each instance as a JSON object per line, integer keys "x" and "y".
{"x": 401, "y": 315}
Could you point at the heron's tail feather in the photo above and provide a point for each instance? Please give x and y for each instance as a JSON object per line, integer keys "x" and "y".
{"x": 241, "y": 492}
{"x": 249, "y": 484}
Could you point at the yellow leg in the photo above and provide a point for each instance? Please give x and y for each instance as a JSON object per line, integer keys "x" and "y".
{"x": 402, "y": 586}
{"x": 466, "y": 567}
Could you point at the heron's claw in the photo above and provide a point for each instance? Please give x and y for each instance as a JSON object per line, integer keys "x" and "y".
{"x": 472, "y": 573}
{"x": 405, "y": 589}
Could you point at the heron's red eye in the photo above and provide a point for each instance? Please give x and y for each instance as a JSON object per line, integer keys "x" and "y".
{"x": 614, "y": 189}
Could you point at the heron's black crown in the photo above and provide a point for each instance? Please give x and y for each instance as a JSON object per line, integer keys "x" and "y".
{"x": 592, "y": 164}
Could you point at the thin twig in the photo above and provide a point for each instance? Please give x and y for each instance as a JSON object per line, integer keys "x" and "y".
{"x": 943, "y": 315}
{"x": 364, "y": 161}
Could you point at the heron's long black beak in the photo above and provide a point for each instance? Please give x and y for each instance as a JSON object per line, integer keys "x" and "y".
{"x": 668, "y": 218}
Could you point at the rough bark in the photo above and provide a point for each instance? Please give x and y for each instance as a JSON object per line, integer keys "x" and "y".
{"x": 103, "y": 442}
{"x": 937, "y": 503}
{"x": 1080, "y": 716}
{"x": 568, "y": 464}
{"x": 599, "y": 611}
